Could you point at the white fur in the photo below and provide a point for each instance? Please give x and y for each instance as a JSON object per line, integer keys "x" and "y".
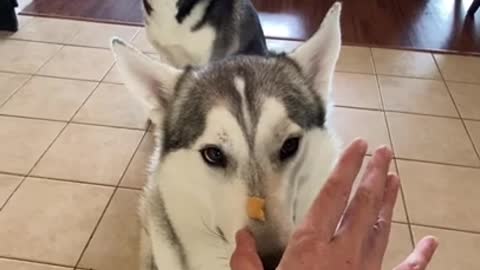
{"x": 176, "y": 41}
{"x": 239, "y": 83}
{"x": 318, "y": 56}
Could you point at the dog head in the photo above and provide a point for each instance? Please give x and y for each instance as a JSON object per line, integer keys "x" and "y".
{"x": 242, "y": 127}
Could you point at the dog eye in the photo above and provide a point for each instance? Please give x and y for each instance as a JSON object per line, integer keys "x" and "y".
{"x": 214, "y": 156}
{"x": 289, "y": 148}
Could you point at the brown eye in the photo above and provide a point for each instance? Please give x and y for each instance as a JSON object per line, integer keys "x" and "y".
{"x": 289, "y": 148}
{"x": 214, "y": 156}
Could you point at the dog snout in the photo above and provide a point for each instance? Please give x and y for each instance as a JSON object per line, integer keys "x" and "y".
{"x": 271, "y": 260}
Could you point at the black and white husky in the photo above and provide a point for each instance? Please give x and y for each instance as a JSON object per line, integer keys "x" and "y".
{"x": 195, "y": 32}
{"x": 240, "y": 127}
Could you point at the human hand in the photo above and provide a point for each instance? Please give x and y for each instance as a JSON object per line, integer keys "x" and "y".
{"x": 352, "y": 239}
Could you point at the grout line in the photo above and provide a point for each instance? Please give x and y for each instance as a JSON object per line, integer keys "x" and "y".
{"x": 95, "y": 228}
{"x": 34, "y": 165}
{"x": 89, "y": 96}
{"x": 438, "y": 163}
{"x": 56, "y": 179}
{"x": 13, "y": 174}
{"x": 106, "y": 125}
{"x": 458, "y": 110}
{"x": 445, "y": 228}
{"x": 49, "y": 59}
{"x": 33, "y": 118}
{"x": 50, "y": 76}
{"x": 16, "y": 90}
{"x": 42, "y": 155}
{"x": 403, "y": 112}
{"x": 71, "y": 122}
{"x": 402, "y": 192}
{"x": 2, "y": 206}
{"x": 73, "y": 181}
{"x": 64, "y": 43}
{"x": 11, "y": 258}
{"x": 109, "y": 202}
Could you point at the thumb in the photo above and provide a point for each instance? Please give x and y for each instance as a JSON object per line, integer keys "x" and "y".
{"x": 421, "y": 255}
{"x": 245, "y": 256}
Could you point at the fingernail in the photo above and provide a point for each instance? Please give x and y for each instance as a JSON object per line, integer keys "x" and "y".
{"x": 434, "y": 240}
{"x": 384, "y": 152}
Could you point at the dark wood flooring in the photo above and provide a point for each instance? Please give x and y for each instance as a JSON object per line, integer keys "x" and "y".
{"x": 437, "y": 25}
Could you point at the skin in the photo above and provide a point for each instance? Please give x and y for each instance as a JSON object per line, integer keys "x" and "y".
{"x": 341, "y": 235}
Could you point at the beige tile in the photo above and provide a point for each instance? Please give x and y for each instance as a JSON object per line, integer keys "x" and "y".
{"x": 49, "y": 98}
{"x": 417, "y": 96}
{"x": 431, "y": 139}
{"x": 23, "y": 20}
{"x": 115, "y": 244}
{"x": 356, "y": 90}
{"x": 24, "y": 141}
{"x": 352, "y": 123}
{"x": 6, "y": 264}
{"x": 281, "y": 46}
{"x": 100, "y": 34}
{"x": 8, "y": 183}
{"x": 9, "y": 83}
{"x": 399, "y": 246}
{"x": 457, "y": 250}
{"x": 474, "y": 131}
{"x": 136, "y": 174}
{"x": 115, "y": 105}
{"x": 113, "y": 76}
{"x": 79, "y": 63}
{"x": 51, "y": 220}
{"x": 459, "y": 68}
{"x": 90, "y": 154}
{"x": 355, "y": 59}
{"x": 399, "y": 211}
{"x": 48, "y": 30}
{"x": 24, "y": 56}
{"x": 467, "y": 98}
{"x": 142, "y": 43}
{"x": 452, "y": 190}
{"x": 405, "y": 63}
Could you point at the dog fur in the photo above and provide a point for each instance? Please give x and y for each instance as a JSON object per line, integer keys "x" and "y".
{"x": 195, "y": 32}
{"x": 247, "y": 107}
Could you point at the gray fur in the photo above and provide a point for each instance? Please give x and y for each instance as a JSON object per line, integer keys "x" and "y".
{"x": 201, "y": 88}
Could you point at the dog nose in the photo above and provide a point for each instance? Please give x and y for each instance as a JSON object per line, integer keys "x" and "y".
{"x": 271, "y": 260}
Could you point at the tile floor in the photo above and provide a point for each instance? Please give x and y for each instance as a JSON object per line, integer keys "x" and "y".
{"x": 73, "y": 145}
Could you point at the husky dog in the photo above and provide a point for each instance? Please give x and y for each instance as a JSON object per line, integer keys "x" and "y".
{"x": 195, "y": 32}
{"x": 245, "y": 126}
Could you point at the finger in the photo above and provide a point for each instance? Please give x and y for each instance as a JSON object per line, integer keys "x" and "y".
{"x": 245, "y": 256}
{"x": 377, "y": 244}
{"x": 421, "y": 255}
{"x": 363, "y": 211}
{"x": 327, "y": 208}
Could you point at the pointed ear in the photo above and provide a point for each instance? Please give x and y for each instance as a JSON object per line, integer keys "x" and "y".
{"x": 318, "y": 56}
{"x": 152, "y": 82}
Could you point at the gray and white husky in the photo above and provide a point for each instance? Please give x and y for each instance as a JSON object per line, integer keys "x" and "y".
{"x": 195, "y": 32}
{"x": 240, "y": 127}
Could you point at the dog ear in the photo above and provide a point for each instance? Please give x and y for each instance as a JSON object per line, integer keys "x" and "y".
{"x": 152, "y": 82}
{"x": 318, "y": 56}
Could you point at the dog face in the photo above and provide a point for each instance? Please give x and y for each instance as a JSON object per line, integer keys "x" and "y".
{"x": 238, "y": 128}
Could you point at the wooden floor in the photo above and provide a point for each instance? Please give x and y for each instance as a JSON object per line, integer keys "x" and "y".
{"x": 437, "y": 25}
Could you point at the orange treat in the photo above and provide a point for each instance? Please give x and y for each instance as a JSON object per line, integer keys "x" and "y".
{"x": 255, "y": 208}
